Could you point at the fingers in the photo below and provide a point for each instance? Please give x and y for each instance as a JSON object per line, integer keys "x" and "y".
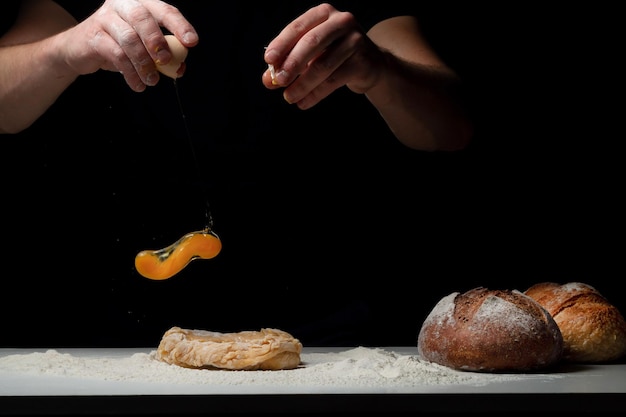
{"x": 137, "y": 41}
{"x": 114, "y": 58}
{"x": 315, "y": 54}
{"x": 132, "y": 55}
{"x": 334, "y": 68}
{"x": 170, "y": 18}
{"x": 305, "y": 38}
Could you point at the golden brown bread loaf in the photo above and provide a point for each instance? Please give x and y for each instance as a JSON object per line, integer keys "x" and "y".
{"x": 593, "y": 329}
{"x": 267, "y": 349}
{"x": 487, "y": 330}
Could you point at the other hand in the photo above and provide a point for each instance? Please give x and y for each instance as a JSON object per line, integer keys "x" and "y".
{"x": 318, "y": 52}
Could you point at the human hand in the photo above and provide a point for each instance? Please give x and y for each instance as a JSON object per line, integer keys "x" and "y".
{"x": 320, "y": 51}
{"x": 125, "y": 36}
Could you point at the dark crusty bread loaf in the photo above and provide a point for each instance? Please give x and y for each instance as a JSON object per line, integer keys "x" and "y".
{"x": 593, "y": 329}
{"x": 487, "y": 330}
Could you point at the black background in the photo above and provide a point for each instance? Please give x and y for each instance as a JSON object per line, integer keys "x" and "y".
{"x": 350, "y": 241}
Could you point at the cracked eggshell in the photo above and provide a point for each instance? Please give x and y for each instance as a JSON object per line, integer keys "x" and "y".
{"x": 176, "y": 67}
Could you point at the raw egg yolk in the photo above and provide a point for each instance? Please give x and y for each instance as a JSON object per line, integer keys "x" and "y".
{"x": 167, "y": 262}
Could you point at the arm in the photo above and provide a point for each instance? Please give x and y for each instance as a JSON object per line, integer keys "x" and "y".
{"x": 46, "y": 50}
{"x": 30, "y": 76}
{"x": 418, "y": 96}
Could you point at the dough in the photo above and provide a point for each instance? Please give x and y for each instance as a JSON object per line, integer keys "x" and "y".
{"x": 487, "y": 330}
{"x": 593, "y": 329}
{"x": 267, "y": 349}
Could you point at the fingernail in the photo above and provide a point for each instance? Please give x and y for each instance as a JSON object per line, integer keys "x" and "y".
{"x": 152, "y": 78}
{"x": 190, "y": 37}
{"x": 270, "y": 55}
{"x": 282, "y": 77}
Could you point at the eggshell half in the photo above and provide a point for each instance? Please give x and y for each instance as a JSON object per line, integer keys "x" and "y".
{"x": 174, "y": 68}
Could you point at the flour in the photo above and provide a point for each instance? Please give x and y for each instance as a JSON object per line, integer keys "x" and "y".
{"x": 360, "y": 366}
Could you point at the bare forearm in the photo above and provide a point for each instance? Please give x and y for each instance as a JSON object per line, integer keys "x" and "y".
{"x": 417, "y": 94}
{"x": 422, "y": 105}
{"x": 31, "y": 79}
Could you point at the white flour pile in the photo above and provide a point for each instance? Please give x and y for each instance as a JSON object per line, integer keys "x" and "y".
{"x": 364, "y": 367}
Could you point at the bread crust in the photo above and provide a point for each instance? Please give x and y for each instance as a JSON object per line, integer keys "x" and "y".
{"x": 593, "y": 329}
{"x": 487, "y": 330}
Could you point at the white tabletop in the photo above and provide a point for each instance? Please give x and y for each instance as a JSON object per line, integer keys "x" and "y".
{"x": 24, "y": 386}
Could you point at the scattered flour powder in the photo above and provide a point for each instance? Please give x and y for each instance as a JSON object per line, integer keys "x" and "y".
{"x": 360, "y": 366}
